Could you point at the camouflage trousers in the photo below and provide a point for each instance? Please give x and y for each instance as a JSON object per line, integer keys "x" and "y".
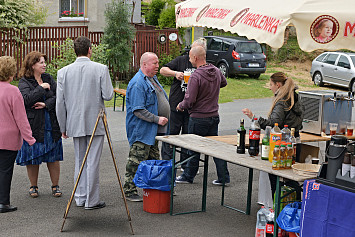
{"x": 138, "y": 152}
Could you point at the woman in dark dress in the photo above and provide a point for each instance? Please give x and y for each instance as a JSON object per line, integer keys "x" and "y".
{"x": 39, "y": 93}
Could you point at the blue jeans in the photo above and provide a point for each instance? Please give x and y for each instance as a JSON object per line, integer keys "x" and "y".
{"x": 204, "y": 127}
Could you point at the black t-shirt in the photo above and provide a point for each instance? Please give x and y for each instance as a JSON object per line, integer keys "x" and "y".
{"x": 177, "y": 92}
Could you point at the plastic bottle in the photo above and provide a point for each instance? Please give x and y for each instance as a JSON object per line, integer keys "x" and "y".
{"x": 289, "y": 156}
{"x": 265, "y": 144}
{"x": 283, "y": 156}
{"x": 346, "y": 165}
{"x": 269, "y": 228}
{"x": 254, "y": 138}
{"x": 241, "y": 138}
{"x": 276, "y": 158}
{"x": 293, "y": 142}
{"x": 286, "y": 133}
{"x": 260, "y": 222}
{"x": 275, "y": 136}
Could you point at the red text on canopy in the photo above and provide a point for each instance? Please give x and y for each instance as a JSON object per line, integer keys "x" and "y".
{"x": 187, "y": 12}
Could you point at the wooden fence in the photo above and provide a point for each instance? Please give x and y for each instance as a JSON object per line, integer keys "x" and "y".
{"x": 18, "y": 43}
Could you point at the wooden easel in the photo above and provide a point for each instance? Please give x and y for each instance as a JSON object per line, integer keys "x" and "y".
{"x": 101, "y": 115}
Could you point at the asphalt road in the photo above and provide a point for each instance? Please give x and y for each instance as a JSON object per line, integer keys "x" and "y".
{"x": 44, "y": 215}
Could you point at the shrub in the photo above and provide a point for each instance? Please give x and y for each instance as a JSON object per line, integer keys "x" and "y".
{"x": 164, "y": 59}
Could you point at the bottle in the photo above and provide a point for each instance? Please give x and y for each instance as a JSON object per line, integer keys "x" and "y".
{"x": 276, "y": 158}
{"x": 286, "y": 133}
{"x": 289, "y": 156}
{"x": 260, "y": 222}
{"x": 265, "y": 144}
{"x": 294, "y": 142}
{"x": 269, "y": 228}
{"x": 241, "y": 138}
{"x": 283, "y": 156}
{"x": 254, "y": 138}
{"x": 346, "y": 165}
{"x": 275, "y": 136}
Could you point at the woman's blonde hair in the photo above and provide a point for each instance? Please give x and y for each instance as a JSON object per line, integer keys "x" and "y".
{"x": 7, "y": 68}
{"x": 285, "y": 92}
{"x": 31, "y": 59}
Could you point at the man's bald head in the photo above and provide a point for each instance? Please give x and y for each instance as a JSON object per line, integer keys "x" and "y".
{"x": 146, "y": 57}
{"x": 199, "y": 52}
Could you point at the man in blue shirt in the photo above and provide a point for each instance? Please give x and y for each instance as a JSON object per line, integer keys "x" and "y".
{"x": 147, "y": 116}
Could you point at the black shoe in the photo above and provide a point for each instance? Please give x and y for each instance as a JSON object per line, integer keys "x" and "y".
{"x": 100, "y": 205}
{"x": 7, "y": 208}
{"x": 134, "y": 198}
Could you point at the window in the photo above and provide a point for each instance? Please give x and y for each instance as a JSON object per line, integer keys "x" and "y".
{"x": 331, "y": 58}
{"x": 343, "y": 61}
{"x": 226, "y": 46}
{"x": 250, "y": 47}
{"x": 320, "y": 58}
{"x": 216, "y": 44}
{"x": 72, "y": 8}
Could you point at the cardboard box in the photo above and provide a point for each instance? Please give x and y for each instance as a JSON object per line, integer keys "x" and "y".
{"x": 308, "y": 150}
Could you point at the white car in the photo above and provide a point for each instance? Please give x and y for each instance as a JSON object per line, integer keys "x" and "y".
{"x": 336, "y": 68}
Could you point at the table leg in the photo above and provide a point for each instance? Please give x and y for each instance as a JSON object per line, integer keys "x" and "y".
{"x": 277, "y": 205}
{"x": 204, "y": 191}
{"x": 114, "y": 101}
{"x": 123, "y": 102}
{"x": 250, "y": 189}
{"x": 173, "y": 174}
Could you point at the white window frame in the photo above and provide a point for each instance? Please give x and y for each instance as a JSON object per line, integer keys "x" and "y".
{"x": 73, "y": 19}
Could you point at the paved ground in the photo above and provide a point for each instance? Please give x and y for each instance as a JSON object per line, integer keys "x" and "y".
{"x": 43, "y": 215}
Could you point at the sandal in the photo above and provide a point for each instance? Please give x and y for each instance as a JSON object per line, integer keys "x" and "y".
{"x": 33, "y": 191}
{"x": 55, "y": 191}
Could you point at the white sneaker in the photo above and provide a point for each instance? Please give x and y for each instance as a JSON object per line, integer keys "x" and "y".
{"x": 182, "y": 170}
{"x": 216, "y": 182}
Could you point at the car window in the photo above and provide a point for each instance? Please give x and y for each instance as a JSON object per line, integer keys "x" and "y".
{"x": 225, "y": 46}
{"x": 216, "y": 44}
{"x": 353, "y": 59}
{"x": 249, "y": 47}
{"x": 331, "y": 58}
{"x": 208, "y": 42}
{"x": 321, "y": 57}
{"x": 343, "y": 61}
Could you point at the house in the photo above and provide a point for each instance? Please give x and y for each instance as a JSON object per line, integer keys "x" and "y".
{"x": 84, "y": 13}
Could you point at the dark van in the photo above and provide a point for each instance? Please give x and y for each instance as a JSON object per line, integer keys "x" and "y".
{"x": 234, "y": 56}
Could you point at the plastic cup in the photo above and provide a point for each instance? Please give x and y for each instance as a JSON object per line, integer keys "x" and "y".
{"x": 187, "y": 75}
{"x": 333, "y": 128}
{"x": 315, "y": 160}
{"x": 117, "y": 84}
{"x": 350, "y": 128}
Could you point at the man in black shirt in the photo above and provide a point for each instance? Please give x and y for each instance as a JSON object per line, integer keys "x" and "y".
{"x": 178, "y": 120}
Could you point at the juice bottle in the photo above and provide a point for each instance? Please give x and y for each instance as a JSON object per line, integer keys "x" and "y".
{"x": 265, "y": 144}
{"x": 275, "y": 136}
{"x": 276, "y": 158}
{"x": 283, "y": 156}
{"x": 289, "y": 155}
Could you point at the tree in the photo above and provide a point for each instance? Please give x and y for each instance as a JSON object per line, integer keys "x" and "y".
{"x": 21, "y": 14}
{"x": 118, "y": 36}
{"x": 152, "y": 16}
{"x": 167, "y": 18}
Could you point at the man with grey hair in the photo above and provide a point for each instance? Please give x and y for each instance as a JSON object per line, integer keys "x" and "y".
{"x": 178, "y": 119}
{"x": 147, "y": 116}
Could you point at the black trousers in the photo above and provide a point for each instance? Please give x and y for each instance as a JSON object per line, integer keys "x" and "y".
{"x": 179, "y": 121}
{"x": 7, "y": 161}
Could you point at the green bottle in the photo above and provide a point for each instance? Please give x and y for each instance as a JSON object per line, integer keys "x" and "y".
{"x": 265, "y": 144}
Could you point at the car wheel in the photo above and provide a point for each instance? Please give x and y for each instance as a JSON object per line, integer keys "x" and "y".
{"x": 224, "y": 69}
{"x": 256, "y": 76}
{"x": 318, "y": 79}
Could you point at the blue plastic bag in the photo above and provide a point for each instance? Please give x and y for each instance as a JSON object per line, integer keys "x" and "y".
{"x": 289, "y": 218}
{"x": 154, "y": 174}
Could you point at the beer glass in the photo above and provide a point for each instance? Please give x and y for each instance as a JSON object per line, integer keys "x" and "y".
{"x": 187, "y": 75}
{"x": 333, "y": 128}
{"x": 349, "y": 128}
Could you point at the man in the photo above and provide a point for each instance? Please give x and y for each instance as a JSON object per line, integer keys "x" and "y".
{"x": 82, "y": 88}
{"x": 147, "y": 116}
{"x": 201, "y": 100}
{"x": 178, "y": 119}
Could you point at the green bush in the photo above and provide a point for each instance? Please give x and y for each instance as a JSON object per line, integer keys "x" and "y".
{"x": 164, "y": 59}
{"x": 67, "y": 56}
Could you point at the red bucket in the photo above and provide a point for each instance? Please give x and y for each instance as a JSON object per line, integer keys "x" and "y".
{"x": 156, "y": 201}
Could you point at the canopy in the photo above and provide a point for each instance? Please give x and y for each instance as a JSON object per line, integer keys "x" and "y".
{"x": 320, "y": 24}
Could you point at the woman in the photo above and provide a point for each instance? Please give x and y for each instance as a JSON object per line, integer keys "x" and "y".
{"x": 39, "y": 93}
{"x": 14, "y": 127}
{"x": 286, "y": 109}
